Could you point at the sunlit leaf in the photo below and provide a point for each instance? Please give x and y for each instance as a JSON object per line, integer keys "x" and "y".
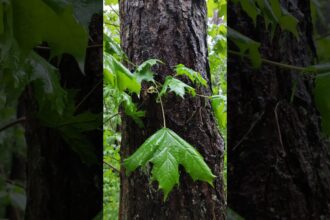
{"x": 125, "y": 79}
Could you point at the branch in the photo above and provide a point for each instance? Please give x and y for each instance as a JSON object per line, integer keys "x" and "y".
{"x": 112, "y": 167}
{"x": 322, "y": 36}
{"x": 11, "y": 124}
{"x": 87, "y": 95}
{"x": 274, "y": 63}
{"x": 88, "y": 47}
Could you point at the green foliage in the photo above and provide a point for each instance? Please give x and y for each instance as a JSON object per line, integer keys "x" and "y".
{"x": 166, "y": 151}
{"x": 123, "y": 77}
{"x": 273, "y": 14}
{"x": 172, "y": 84}
{"x": 220, "y": 110}
{"x": 111, "y": 182}
{"x": 144, "y": 73}
{"x": 246, "y": 45}
{"x": 41, "y": 23}
{"x": 23, "y": 27}
{"x": 13, "y": 195}
{"x": 113, "y": 98}
{"x": 194, "y": 76}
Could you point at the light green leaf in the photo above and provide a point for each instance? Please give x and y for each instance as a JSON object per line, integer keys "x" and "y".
{"x": 109, "y": 77}
{"x": 176, "y": 86}
{"x": 125, "y": 79}
{"x": 219, "y": 109}
{"x": 166, "y": 151}
{"x": 132, "y": 110}
{"x": 192, "y": 75}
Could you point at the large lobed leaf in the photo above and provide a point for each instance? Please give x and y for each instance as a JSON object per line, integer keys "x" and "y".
{"x": 35, "y": 22}
{"x": 166, "y": 151}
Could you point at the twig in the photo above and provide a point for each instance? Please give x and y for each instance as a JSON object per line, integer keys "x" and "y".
{"x": 322, "y": 36}
{"x": 112, "y": 167}
{"x": 112, "y": 24}
{"x": 274, "y": 63}
{"x": 161, "y": 105}
{"x": 88, "y": 47}
{"x": 11, "y": 182}
{"x": 113, "y": 158}
{"x": 87, "y": 95}
{"x": 111, "y": 117}
{"x": 278, "y": 127}
{"x": 22, "y": 119}
{"x": 114, "y": 10}
{"x": 204, "y": 96}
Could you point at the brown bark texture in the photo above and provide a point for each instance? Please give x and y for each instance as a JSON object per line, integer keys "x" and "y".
{"x": 278, "y": 162}
{"x": 174, "y": 32}
{"x": 59, "y": 184}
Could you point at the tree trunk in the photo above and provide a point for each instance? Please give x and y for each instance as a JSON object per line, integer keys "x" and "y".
{"x": 278, "y": 162}
{"x": 174, "y": 32}
{"x": 59, "y": 184}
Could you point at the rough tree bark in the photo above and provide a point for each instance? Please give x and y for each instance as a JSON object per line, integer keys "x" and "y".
{"x": 278, "y": 162}
{"x": 174, "y": 32}
{"x": 59, "y": 184}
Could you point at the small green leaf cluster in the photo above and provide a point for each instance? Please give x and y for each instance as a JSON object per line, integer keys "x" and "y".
{"x": 170, "y": 150}
{"x": 273, "y": 14}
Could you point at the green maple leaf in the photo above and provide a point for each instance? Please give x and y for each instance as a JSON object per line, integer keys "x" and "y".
{"x": 192, "y": 75}
{"x": 35, "y": 22}
{"x": 125, "y": 79}
{"x": 166, "y": 151}
{"x": 144, "y": 72}
{"x": 176, "y": 86}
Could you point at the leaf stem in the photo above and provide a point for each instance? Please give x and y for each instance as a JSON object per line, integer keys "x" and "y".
{"x": 87, "y": 95}
{"x": 161, "y": 105}
{"x": 274, "y": 63}
{"x": 12, "y": 123}
{"x": 163, "y": 112}
{"x": 204, "y": 96}
{"x": 112, "y": 167}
